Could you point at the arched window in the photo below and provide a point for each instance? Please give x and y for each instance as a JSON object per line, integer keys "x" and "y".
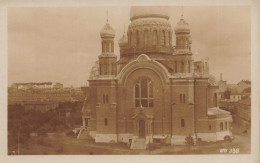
{"x": 105, "y": 47}
{"x": 186, "y": 43}
{"x": 105, "y": 99}
{"x": 105, "y": 69}
{"x": 182, "y": 66}
{"x": 178, "y": 42}
{"x": 182, "y": 98}
{"x": 130, "y": 39}
{"x": 176, "y": 67}
{"x": 164, "y": 38}
{"x": 106, "y": 122}
{"x": 143, "y": 93}
{"x": 182, "y": 123}
{"x": 109, "y": 47}
{"x": 215, "y": 99}
{"x": 226, "y": 126}
{"x": 145, "y": 38}
{"x": 189, "y": 66}
{"x": 112, "y": 68}
{"x": 155, "y": 37}
{"x": 221, "y": 126}
{"x": 137, "y": 39}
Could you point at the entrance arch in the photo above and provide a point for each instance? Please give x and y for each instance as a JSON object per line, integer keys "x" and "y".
{"x": 141, "y": 128}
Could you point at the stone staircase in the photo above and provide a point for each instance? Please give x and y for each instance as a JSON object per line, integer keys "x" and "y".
{"x": 138, "y": 143}
{"x": 83, "y": 134}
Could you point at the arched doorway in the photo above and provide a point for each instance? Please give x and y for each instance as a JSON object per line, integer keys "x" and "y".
{"x": 215, "y": 100}
{"x": 141, "y": 128}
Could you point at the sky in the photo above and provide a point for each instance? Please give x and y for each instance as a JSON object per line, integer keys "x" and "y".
{"x": 61, "y": 44}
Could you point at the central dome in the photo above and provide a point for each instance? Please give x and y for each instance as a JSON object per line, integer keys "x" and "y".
{"x": 149, "y": 11}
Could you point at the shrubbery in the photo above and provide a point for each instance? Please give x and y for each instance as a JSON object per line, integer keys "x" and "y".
{"x": 25, "y": 122}
{"x": 189, "y": 141}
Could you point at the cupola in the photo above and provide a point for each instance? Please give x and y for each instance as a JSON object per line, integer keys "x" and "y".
{"x": 182, "y": 27}
{"x": 107, "y": 31}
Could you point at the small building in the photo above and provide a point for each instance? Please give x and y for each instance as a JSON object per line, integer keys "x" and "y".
{"x": 58, "y": 86}
{"x": 234, "y": 97}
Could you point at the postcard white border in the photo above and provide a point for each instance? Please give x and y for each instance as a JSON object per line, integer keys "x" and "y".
{"x": 255, "y": 59}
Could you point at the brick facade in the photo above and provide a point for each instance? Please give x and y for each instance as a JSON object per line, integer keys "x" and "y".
{"x": 149, "y": 95}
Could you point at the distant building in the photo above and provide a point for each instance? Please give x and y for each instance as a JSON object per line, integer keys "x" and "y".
{"x": 40, "y": 85}
{"x": 25, "y": 86}
{"x": 242, "y": 85}
{"x": 58, "y": 86}
{"x": 222, "y": 86}
{"x": 237, "y": 91}
{"x": 234, "y": 97}
{"x": 40, "y": 106}
{"x": 19, "y": 96}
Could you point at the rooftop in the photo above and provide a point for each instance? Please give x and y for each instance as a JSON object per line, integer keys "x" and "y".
{"x": 246, "y": 101}
{"x": 217, "y": 111}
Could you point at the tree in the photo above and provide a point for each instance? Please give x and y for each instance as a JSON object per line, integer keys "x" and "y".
{"x": 189, "y": 141}
{"x": 227, "y": 94}
{"x": 247, "y": 90}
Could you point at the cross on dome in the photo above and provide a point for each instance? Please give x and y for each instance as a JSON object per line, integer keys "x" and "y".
{"x": 107, "y": 30}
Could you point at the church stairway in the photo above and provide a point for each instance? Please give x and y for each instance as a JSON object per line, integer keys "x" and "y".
{"x": 138, "y": 143}
{"x": 83, "y": 134}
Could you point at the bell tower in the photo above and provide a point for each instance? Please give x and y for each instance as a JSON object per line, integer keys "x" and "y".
{"x": 183, "y": 38}
{"x": 107, "y": 58}
{"x": 183, "y": 47}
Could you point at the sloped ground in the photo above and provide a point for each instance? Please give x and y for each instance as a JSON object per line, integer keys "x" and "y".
{"x": 61, "y": 144}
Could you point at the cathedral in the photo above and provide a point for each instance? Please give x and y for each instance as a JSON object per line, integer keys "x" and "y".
{"x": 155, "y": 92}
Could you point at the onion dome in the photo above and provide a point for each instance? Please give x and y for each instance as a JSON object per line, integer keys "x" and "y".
{"x": 149, "y": 11}
{"x": 107, "y": 31}
{"x": 123, "y": 40}
{"x": 182, "y": 26}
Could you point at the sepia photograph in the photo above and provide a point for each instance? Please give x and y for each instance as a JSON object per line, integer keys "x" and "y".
{"x": 129, "y": 80}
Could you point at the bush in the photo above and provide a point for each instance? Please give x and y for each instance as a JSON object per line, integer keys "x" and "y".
{"x": 189, "y": 141}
